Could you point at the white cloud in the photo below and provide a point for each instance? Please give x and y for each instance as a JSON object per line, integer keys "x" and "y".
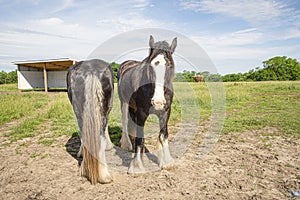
{"x": 142, "y": 4}
{"x": 50, "y": 21}
{"x": 238, "y": 38}
{"x": 69, "y": 28}
{"x": 129, "y": 23}
{"x": 54, "y": 37}
{"x": 271, "y": 24}
{"x": 291, "y": 33}
{"x": 254, "y": 12}
{"x": 239, "y": 51}
{"x": 64, "y": 5}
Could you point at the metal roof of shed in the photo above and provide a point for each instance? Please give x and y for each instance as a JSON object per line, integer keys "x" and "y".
{"x": 49, "y": 64}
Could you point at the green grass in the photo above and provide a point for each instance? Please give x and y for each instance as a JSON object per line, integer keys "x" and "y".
{"x": 25, "y": 129}
{"x": 17, "y": 105}
{"x": 256, "y": 105}
{"x": 9, "y": 87}
{"x": 46, "y": 141}
{"x": 249, "y": 106}
{"x": 36, "y": 155}
{"x": 62, "y": 117}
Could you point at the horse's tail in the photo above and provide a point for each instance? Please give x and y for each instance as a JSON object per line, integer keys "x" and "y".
{"x": 93, "y": 123}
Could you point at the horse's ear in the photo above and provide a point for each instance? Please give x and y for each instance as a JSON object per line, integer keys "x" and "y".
{"x": 173, "y": 45}
{"x": 151, "y": 41}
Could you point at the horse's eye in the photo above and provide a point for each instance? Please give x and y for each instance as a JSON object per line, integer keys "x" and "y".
{"x": 156, "y": 63}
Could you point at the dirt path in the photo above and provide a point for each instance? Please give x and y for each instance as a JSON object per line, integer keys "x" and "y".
{"x": 249, "y": 165}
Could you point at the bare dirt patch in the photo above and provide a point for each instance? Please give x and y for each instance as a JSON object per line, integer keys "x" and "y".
{"x": 262, "y": 164}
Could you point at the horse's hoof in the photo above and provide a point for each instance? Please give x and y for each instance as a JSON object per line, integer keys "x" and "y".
{"x": 136, "y": 171}
{"x": 104, "y": 175}
{"x": 105, "y": 180}
{"x": 167, "y": 164}
{"x": 136, "y": 168}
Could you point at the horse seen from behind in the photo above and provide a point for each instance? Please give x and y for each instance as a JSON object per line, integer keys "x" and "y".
{"x": 90, "y": 91}
{"x": 145, "y": 87}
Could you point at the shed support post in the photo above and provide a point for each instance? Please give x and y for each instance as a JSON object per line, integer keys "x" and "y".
{"x": 45, "y": 78}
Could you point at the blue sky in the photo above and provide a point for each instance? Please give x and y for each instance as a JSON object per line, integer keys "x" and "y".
{"x": 236, "y": 34}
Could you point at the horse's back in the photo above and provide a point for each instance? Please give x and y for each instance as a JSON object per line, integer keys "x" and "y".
{"x": 78, "y": 73}
{"x": 127, "y": 66}
{"x": 95, "y": 67}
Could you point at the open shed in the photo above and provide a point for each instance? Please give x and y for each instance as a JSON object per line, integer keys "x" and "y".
{"x": 47, "y": 74}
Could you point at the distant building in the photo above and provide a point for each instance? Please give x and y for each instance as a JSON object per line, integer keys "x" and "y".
{"x": 46, "y": 74}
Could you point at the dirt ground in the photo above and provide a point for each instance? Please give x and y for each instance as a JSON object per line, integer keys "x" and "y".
{"x": 258, "y": 164}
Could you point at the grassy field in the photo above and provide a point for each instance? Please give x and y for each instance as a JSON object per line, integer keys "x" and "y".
{"x": 249, "y": 106}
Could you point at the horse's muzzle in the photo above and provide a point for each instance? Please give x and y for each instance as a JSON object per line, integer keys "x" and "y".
{"x": 158, "y": 104}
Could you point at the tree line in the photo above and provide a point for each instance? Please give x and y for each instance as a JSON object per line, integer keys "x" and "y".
{"x": 7, "y": 78}
{"x": 279, "y": 68}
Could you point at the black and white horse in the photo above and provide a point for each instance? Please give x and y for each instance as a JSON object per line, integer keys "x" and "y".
{"x": 146, "y": 88}
{"x": 90, "y": 90}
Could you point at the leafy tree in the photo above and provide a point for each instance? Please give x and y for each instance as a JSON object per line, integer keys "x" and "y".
{"x": 282, "y": 68}
{"x": 6, "y": 78}
{"x": 233, "y": 77}
{"x": 115, "y": 67}
{"x": 279, "y": 68}
{"x": 185, "y": 76}
{"x": 12, "y": 77}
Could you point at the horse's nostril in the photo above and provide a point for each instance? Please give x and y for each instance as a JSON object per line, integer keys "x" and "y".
{"x": 158, "y": 102}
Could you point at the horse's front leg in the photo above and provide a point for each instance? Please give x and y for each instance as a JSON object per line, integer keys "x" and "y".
{"x": 165, "y": 159}
{"x": 136, "y": 165}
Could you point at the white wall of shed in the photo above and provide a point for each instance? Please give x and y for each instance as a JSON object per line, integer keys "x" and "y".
{"x": 35, "y": 79}
{"x": 30, "y": 80}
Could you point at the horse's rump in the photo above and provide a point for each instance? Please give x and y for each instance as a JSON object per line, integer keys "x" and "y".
{"x": 90, "y": 89}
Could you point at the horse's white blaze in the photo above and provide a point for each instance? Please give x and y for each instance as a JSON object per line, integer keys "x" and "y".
{"x": 158, "y": 64}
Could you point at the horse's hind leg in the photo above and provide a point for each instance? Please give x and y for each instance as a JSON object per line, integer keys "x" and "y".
{"x": 109, "y": 144}
{"x": 78, "y": 112}
{"x": 79, "y": 154}
{"x": 125, "y": 140}
{"x": 165, "y": 159}
{"x": 104, "y": 175}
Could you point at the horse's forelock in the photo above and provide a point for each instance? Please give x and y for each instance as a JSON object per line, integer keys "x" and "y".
{"x": 161, "y": 47}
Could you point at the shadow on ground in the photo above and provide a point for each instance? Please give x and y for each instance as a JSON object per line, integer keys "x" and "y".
{"x": 116, "y": 157}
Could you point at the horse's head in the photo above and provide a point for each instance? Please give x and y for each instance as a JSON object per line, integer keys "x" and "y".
{"x": 161, "y": 61}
